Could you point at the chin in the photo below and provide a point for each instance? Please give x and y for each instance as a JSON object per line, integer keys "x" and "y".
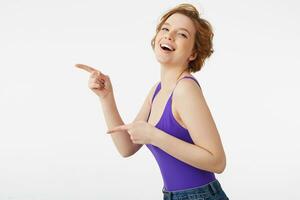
{"x": 162, "y": 59}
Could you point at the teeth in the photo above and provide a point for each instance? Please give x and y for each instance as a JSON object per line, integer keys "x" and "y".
{"x": 165, "y": 45}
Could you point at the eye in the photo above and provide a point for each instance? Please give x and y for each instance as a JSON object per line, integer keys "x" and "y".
{"x": 182, "y": 34}
{"x": 165, "y": 29}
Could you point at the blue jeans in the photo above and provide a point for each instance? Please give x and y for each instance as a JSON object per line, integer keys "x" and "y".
{"x": 210, "y": 191}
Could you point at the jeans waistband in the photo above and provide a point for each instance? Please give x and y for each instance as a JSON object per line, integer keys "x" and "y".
{"x": 212, "y": 188}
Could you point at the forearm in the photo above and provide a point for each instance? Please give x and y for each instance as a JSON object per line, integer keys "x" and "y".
{"x": 191, "y": 154}
{"x": 112, "y": 117}
{"x": 110, "y": 111}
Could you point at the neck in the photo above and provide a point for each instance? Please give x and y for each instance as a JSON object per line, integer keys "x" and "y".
{"x": 170, "y": 75}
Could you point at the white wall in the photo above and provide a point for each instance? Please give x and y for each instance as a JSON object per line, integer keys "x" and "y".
{"x": 52, "y": 131}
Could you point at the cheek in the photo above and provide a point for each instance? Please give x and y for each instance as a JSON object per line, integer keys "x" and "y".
{"x": 189, "y": 46}
{"x": 156, "y": 41}
{"x": 158, "y": 36}
{"x": 188, "y": 43}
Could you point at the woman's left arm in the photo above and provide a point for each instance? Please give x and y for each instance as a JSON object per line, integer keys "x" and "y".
{"x": 207, "y": 152}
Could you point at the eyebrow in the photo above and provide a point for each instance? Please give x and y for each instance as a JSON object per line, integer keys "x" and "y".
{"x": 166, "y": 23}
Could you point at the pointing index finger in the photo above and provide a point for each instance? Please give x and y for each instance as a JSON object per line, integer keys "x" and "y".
{"x": 86, "y": 68}
{"x": 118, "y": 128}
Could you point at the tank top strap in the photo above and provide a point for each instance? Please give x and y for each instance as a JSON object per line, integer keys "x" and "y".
{"x": 156, "y": 91}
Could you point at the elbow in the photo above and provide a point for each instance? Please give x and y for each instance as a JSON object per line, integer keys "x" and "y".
{"x": 220, "y": 170}
{"x": 126, "y": 154}
{"x": 220, "y": 166}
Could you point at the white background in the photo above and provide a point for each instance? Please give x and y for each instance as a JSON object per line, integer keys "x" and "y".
{"x": 52, "y": 130}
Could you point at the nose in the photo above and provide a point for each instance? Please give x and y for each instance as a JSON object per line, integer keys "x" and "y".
{"x": 169, "y": 36}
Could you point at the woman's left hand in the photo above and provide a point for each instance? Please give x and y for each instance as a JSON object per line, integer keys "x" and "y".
{"x": 140, "y": 132}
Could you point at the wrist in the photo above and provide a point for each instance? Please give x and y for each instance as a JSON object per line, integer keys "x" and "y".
{"x": 155, "y": 136}
{"x": 107, "y": 98}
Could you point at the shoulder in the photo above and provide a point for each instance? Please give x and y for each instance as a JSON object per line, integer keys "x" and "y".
{"x": 189, "y": 103}
{"x": 187, "y": 86}
{"x": 187, "y": 93}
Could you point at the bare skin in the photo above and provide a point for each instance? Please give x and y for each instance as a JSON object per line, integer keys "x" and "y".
{"x": 99, "y": 83}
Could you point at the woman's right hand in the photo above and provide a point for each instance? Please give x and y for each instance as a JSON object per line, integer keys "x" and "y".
{"x": 99, "y": 83}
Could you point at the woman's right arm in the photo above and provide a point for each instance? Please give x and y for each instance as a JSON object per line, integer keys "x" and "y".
{"x": 112, "y": 117}
{"x": 101, "y": 85}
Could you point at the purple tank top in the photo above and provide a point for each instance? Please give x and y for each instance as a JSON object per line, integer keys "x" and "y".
{"x": 177, "y": 175}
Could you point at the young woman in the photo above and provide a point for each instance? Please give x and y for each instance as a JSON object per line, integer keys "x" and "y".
{"x": 174, "y": 122}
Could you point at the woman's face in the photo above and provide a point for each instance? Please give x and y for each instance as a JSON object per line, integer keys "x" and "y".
{"x": 175, "y": 41}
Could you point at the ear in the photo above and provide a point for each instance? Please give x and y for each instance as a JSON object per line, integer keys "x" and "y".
{"x": 193, "y": 56}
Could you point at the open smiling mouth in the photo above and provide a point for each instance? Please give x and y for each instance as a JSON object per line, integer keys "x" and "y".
{"x": 166, "y": 48}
